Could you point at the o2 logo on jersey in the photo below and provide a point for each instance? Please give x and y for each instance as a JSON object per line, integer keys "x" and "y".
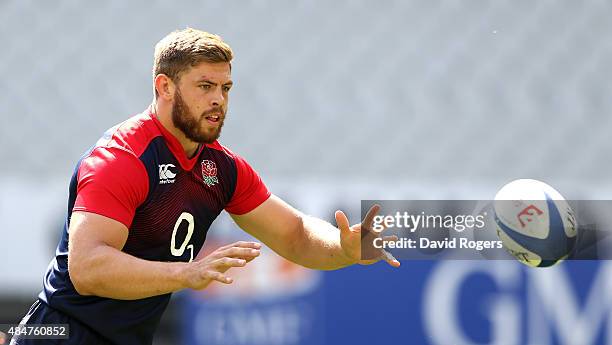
{"x": 178, "y": 251}
{"x": 209, "y": 173}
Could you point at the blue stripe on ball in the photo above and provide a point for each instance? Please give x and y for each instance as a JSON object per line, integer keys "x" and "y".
{"x": 550, "y": 249}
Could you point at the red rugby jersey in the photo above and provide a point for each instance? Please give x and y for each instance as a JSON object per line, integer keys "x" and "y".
{"x": 139, "y": 175}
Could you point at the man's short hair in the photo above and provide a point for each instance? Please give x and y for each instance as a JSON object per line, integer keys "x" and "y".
{"x": 183, "y": 49}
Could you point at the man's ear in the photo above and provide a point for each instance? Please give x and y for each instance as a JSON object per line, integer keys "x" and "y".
{"x": 164, "y": 86}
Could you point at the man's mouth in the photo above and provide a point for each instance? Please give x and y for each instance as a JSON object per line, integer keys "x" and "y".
{"x": 213, "y": 119}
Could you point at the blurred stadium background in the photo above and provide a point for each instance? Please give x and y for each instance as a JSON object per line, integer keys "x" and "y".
{"x": 334, "y": 102}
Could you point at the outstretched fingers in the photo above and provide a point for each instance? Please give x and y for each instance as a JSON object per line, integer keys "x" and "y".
{"x": 387, "y": 256}
{"x": 241, "y": 253}
{"x": 234, "y": 255}
{"x": 368, "y": 221}
{"x": 243, "y": 250}
{"x": 223, "y": 264}
{"x": 218, "y": 276}
{"x": 242, "y": 244}
{"x": 390, "y": 259}
{"x": 343, "y": 222}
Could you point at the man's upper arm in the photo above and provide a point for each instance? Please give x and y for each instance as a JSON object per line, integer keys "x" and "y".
{"x": 274, "y": 222}
{"x": 88, "y": 233}
{"x": 88, "y": 230}
{"x": 111, "y": 184}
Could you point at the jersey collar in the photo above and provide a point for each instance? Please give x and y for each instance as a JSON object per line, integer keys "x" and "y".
{"x": 174, "y": 145}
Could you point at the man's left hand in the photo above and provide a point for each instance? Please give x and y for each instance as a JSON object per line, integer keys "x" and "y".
{"x": 351, "y": 237}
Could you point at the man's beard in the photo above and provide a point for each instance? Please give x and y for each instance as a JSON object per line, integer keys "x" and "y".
{"x": 191, "y": 126}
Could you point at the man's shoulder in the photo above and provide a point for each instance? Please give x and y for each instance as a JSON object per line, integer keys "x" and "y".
{"x": 122, "y": 145}
{"x": 132, "y": 135}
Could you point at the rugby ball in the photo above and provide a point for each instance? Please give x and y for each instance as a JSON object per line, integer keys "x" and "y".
{"x": 534, "y": 222}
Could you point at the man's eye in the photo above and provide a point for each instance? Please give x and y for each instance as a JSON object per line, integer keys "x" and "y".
{"x": 205, "y": 87}
{"x": 226, "y": 88}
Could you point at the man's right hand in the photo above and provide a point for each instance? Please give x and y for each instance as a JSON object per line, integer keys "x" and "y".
{"x": 201, "y": 272}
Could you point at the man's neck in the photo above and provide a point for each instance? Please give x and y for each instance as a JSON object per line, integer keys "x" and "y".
{"x": 164, "y": 115}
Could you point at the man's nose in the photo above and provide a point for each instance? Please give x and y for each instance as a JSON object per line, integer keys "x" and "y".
{"x": 217, "y": 99}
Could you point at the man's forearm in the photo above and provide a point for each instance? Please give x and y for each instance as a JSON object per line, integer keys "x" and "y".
{"x": 317, "y": 245}
{"x": 304, "y": 240}
{"x": 109, "y": 272}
